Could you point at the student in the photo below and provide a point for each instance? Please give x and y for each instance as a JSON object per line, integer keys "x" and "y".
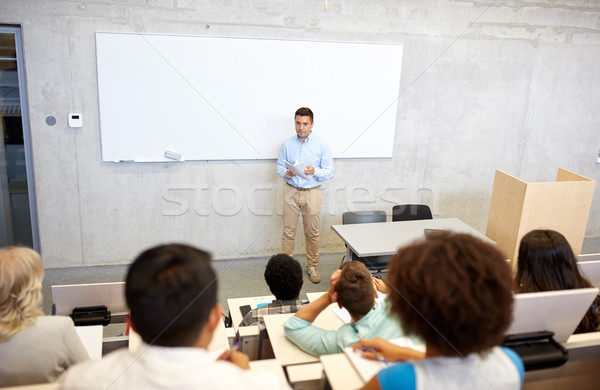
{"x": 283, "y": 275}
{"x": 546, "y": 262}
{"x": 352, "y": 288}
{"x": 33, "y": 348}
{"x": 454, "y": 291}
{"x": 171, "y": 291}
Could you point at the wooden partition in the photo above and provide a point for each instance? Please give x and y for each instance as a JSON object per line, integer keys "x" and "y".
{"x": 518, "y": 207}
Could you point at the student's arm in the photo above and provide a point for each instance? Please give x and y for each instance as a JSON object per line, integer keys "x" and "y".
{"x": 312, "y": 310}
{"x": 389, "y": 351}
{"x": 309, "y": 338}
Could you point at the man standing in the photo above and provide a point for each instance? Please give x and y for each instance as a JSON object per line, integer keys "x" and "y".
{"x": 303, "y": 195}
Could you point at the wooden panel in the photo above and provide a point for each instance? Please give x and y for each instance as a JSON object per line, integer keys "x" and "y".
{"x": 518, "y": 207}
{"x": 506, "y": 208}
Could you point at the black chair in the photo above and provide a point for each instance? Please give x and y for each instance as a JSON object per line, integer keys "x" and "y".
{"x": 411, "y": 212}
{"x": 375, "y": 264}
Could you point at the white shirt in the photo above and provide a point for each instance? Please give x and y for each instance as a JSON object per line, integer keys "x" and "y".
{"x": 155, "y": 367}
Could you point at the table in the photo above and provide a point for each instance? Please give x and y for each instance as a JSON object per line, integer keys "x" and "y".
{"x": 340, "y": 372}
{"x": 268, "y": 365}
{"x": 384, "y": 238}
{"x": 219, "y": 341}
{"x": 286, "y": 352}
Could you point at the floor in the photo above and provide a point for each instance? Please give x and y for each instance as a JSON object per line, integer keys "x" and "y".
{"x": 236, "y": 278}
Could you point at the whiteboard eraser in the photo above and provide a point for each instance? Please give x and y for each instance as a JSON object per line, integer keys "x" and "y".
{"x": 173, "y": 155}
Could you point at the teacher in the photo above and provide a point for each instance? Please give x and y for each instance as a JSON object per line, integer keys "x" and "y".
{"x": 303, "y": 195}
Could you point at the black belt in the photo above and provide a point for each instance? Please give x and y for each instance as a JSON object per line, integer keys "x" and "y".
{"x": 303, "y": 189}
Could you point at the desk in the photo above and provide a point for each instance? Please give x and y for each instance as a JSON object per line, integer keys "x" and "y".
{"x": 340, "y": 372}
{"x": 268, "y": 365}
{"x": 234, "y": 305}
{"x": 218, "y": 342}
{"x": 306, "y": 376}
{"x": 286, "y": 352}
{"x": 384, "y": 238}
{"x": 91, "y": 338}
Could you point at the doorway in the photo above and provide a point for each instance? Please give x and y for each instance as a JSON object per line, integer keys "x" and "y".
{"x": 18, "y": 214}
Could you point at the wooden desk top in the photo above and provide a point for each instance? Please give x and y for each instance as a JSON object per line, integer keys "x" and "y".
{"x": 340, "y": 372}
{"x": 286, "y": 352}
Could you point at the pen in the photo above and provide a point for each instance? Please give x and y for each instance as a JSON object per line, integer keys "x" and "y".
{"x": 233, "y": 349}
{"x": 378, "y": 355}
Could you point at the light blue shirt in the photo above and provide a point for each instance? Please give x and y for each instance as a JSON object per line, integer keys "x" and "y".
{"x": 316, "y": 341}
{"x": 313, "y": 151}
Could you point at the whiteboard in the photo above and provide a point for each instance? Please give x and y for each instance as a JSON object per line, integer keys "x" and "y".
{"x": 216, "y": 98}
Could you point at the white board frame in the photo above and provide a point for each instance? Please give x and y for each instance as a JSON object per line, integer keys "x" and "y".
{"x": 219, "y": 98}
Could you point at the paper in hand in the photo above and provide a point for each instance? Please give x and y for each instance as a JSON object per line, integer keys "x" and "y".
{"x": 297, "y": 169}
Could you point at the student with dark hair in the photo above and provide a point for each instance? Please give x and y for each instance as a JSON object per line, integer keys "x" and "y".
{"x": 283, "y": 275}
{"x": 171, "y": 291}
{"x": 454, "y": 292}
{"x": 546, "y": 262}
{"x": 352, "y": 288}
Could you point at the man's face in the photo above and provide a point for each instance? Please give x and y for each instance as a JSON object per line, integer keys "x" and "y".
{"x": 303, "y": 126}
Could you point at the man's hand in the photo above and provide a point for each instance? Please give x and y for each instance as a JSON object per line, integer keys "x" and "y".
{"x": 335, "y": 277}
{"x": 309, "y": 170}
{"x": 289, "y": 174}
{"x": 238, "y": 358}
{"x": 380, "y": 285}
{"x": 311, "y": 311}
{"x": 378, "y": 347}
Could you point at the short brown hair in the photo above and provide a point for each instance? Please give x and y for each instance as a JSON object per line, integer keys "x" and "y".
{"x": 454, "y": 291}
{"x": 355, "y": 289}
{"x": 304, "y": 111}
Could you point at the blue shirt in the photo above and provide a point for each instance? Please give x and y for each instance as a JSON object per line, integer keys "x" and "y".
{"x": 500, "y": 368}
{"x": 317, "y": 341}
{"x": 313, "y": 151}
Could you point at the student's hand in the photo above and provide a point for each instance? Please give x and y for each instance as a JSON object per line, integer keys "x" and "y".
{"x": 236, "y": 357}
{"x": 289, "y": 174}
{"x": 309, "y": 170}
{"x": 335, "y": 277}
{"x": 381, "y": 286}
{"x": 391, "y": 352}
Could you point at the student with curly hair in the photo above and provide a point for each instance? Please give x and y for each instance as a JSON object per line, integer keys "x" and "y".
{"x": 453, "y": 291}
{"x": 283, "y": 275}
{"x": 546, "y": 262}
{"x": 33, "y": 348}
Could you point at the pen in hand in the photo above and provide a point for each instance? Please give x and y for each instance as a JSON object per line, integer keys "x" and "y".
{"x": 227, "y": 354}
{"x": 377, "y": 354}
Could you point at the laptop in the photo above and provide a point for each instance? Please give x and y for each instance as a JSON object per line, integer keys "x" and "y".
{"x": 591, "y": 271}
{"x": 555, "y": 311}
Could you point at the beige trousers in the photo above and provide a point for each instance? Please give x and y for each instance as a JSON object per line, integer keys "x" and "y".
{"x": 308, "y": 203}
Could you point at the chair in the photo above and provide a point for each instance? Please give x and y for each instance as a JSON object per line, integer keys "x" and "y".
{"x": 410, "y": 212}
{"x": 375, "y": 264}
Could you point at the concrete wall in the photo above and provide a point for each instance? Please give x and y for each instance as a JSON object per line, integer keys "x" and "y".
{"x": 513, "y": 85}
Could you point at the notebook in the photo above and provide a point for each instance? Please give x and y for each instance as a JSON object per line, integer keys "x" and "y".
{"x": 367, "y": 368}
